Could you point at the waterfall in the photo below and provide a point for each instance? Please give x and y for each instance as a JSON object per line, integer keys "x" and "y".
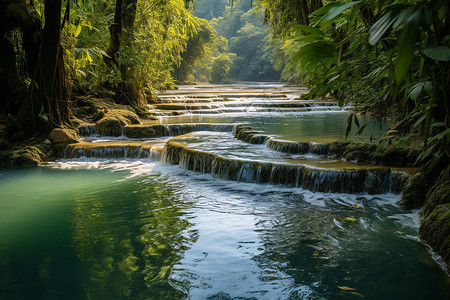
{"x": 372, "y": 181}
{"x": 109, "y": 151}
{"x": 87, "y": 130}
{"x": 152, "y": 131}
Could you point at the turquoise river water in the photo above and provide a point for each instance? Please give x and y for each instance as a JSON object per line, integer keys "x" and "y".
{"x": 139, "y": 229}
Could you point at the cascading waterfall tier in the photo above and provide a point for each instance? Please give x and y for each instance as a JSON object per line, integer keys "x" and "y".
{"x": 154, "y": 131}
{"x": 361, "y": 152}
{"x": 126, "y": 150}
{"x": 373, "y": 181}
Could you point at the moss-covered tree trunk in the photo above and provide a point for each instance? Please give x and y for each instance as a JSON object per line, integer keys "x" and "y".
{"x": 46, "y": 105}
{"x": 121, "y": 36}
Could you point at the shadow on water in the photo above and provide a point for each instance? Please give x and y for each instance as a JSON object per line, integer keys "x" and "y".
{"x": 109, "y": 238}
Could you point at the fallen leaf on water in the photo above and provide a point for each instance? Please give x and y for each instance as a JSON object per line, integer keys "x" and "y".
{"x": 358, "y": 206}
{"x": 349, "y": 219}
{"x": 346, "y": 288}
{"x": 398, "y": 232}
{"x": 331, "y": 200}
{"x": 332, "y": 212}
{"x": 316, "y": 253}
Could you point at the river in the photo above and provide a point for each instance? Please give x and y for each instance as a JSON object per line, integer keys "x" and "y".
{"x": 109, "y": 224}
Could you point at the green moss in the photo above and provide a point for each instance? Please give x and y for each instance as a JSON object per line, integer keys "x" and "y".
{"x": 438, "y": 194}
{"x": 140, "y": 132}
{"x": 359, "y": 152}
{"x": 113, "y": 120}
{"x": 415, "y": 191}
{"x": 435, "y": 225}
{"x": 63, "y": 136}
{"x": 435, "y": 230}
{"x": 29, "y": 156}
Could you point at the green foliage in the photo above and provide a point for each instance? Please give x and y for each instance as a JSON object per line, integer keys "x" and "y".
{"x": 388, "y": 57}
{"x": 150, "y": 50}
{"x": 220, "y": 68}
{"x": 241, "y": 24}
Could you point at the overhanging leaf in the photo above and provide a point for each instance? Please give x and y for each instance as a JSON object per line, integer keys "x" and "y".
{"x": 439, "y": 53}
{"x": 406, "y": 45}
{"x": 336, "y": 10}
{"x": 360, "y": 131}
{"x": 379, "y": 28}
{"x": 349, "y": 125}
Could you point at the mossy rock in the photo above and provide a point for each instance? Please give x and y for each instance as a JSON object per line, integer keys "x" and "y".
{"x": 394, "y": 156}
{"x": 114, "y": 119}
{"x": 438, "y": 194}
{"x": 63, "y": 136}
{"x": 338, "y": 148}
{"x": 435, "y": 231}
{"x": 136, "y": 132}
{"x": 435, "y": 225}
{"x": 359, "y": 152}
{"x": 415, "y": 191}
{"x": 109, "y": 126}
{"x": 29, "y": 156}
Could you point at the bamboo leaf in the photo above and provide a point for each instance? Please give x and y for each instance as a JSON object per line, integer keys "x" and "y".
{"x": 360, "y": 131}
{"x": 415, "y": 90}
{"x": 356, "y": 121}
{"x": 349, "y": 126}
{"x": 381, "y": 26}
{"x": 336, "y": 10}
{"x": 309, "y": 29}
{"x": 406, "y": 45}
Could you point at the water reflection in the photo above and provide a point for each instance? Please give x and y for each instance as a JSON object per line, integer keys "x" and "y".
{"x": 132, "y": 241}
{"x": 108, "y": 238}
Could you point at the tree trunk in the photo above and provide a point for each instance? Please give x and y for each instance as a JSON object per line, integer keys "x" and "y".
{"x": 47, "y": 105}
{"x": 122, "y": 36}
{"x": 115, "y": 30}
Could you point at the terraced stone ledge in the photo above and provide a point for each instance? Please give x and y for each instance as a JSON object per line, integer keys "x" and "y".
{"x": 352, "y": 151}
{"x": 157, "y": 130}
{"x": 358, "y": 180}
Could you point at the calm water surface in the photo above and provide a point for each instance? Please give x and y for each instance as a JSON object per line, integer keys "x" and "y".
{"x": 319, "y": 127}
{"x": 142, "y": 230}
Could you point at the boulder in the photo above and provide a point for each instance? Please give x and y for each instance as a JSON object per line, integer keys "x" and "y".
{"x": 435, "y": 226}
{"x": 63, "y": 136}
{"x": 29, "y": 156}
{"x": 114, "y": 119}
{"x": 140, "y": 132}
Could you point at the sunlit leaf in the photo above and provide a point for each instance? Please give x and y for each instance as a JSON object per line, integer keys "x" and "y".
{"x": 349, "y": 219}
{"x": 336, "y": 10}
